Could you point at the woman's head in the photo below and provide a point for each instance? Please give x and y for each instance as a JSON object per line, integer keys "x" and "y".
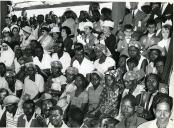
{"x": 109, "y": 80}
{"x": 154, "y": 54}
{"x": 166, "y": 31}
{"x": 134, "y": 49}
{"x": 65, "y": 31}
{"x": 80, "y": 81}
{"x": 95, "y": 79}
{"x": 70, "y": 74}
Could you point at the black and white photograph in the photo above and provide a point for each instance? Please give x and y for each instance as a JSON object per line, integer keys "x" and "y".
{"x": 86, "y": 64}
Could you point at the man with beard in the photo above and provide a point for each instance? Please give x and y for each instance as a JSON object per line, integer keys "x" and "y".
{"x": 28, "y": 119}
{"x": 130, "y": 119}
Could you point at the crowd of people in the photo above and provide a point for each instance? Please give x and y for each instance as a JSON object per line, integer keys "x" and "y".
{"x": 72, "y": 71}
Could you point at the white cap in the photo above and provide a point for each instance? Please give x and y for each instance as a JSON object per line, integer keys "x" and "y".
{"x": 9, "y": 100}
{"x": 108, "y": 23}
{"x": 6, "y": 29}
{"x": 55, "y": 29}
{"x": 88, "y": 24}
{"x": 27, "y": 29}
{"x": 14, "y": 26}
{"x": 169, "y": 22}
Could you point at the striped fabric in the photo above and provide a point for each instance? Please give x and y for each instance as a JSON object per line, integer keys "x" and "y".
{"x": 11, "y": 121}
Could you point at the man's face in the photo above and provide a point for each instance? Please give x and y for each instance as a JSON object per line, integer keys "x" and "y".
{"x": 55, "y": 70}
{"x": 58, "y": 48}
{"x": 55, "y": 118}
{"x": 127, "y": 109}
{"x": 46, "y": 105}
{"x": 151, "y": 28}
{"x": 38, "y": 52}
{"x": 162, "y": 112}
{"x": 7, "y": 21}
{"x": 133, "y": 51}
{"x": 165, "y": 33}
{"x": 28, "y": 109}
{"x": 11, "y": 108}
{"x": 70, "y": 77}
{"x": 87, "y": 30}
{"x": 128, "y": 33}
{"x": 152, "y": 83}
{"x": 160, "y": 67}
{"x": 133, "y": 5}
{"x": 79, "y": 55}
{"x": 129, "y": 84}
{"x": 106, "y": 29}
{"x": 153, "y": 55}
{"x": 95, "y": 80}
{"x": 30, "y": 71}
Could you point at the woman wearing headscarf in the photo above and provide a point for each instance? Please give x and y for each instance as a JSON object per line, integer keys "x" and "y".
{"x": 103, "y": 61}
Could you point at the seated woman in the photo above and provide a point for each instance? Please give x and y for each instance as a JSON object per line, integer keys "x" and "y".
{"x": 109, "y": 98}
{"x": 45, "y": 39}
{"x": 95, "y": 90}
{"x": 130, "y": 118}
{"x": 33, "y": 83}
{"x": 15, "y": 39}
{"x": 103, "y": 61}
{"x": 56, "y": 82}
{"x": 153, "y": 52}
{"x": 79, "y": 97}
{"x": 162, "y": 107}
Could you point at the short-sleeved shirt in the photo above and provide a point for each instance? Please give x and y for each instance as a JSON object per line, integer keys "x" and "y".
{"x": 81, "y": 99}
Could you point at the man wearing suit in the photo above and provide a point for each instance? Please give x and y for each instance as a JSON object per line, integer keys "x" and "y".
{"x": 135, "y": 17}
{"x": 28, "y": 119}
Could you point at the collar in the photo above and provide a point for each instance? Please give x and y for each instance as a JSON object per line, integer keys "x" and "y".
{"x": 150, "y": 35}
{"x": 135, "y": 11}
{"x": 33, "y": 117}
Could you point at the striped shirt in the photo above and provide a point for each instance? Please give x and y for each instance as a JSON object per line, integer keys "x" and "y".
{"x": 11, "y": 121}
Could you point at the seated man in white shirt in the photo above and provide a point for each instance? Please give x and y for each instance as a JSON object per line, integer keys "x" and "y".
{"x": 83, "y": 64}
{"x": 56, "y": 118}
{"x": 41, "y": 59}
{"x": 62, "y": 56}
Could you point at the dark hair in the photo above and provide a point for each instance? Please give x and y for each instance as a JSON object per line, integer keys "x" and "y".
{"x": 85, "y": 82}
{"x": 125, "y": 56}
{"x": 29, "y": 102}
{"x": 106, "y": 12}
{"x": 4, "y": 71}
{"x": 151, "y": 22}
{"x": 128, "y": 26}
{"x": 152, "y": 74}
{"x": 84, "y": 16}
{"x": 45, "y": 28}
{"x": 97, "y": 14}
{"x": 159, "y": 52}
{"x": 67, "y": 29}
{"x": 160, "y": 59}
{"x": 54, "y": 108}
{"x": 162, "y": 97}
{"x": 78, "y": 47}
{"x": 131, "y": 98}
{"x": 14, "y": 18}
{"x": 168, "y": 27}
{"x": 70, "y": 14}
{"x": 133, "y": 60}
{"x": 39, "y": 47}
{"x": 76, "y": 115}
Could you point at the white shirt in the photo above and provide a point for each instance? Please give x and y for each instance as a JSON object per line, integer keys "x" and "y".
{"x": 109, "y": 62}
{"x": 46, "y": 42}
{"x": 65, "y": 60}
{"x": 33, "y": 88}
{"x": 44, "y": 63}
{"x": 7, "y": 57}
{"x": 27, "y": 124}
{"x": 152, "y": 124}
{"x": 63, "y": 125}
{"x": 3, "y": 83}
{"x": 57, "y": 82}
{"x": 2, "y": 110}
{"x": 164, "y": 44}
{"x": 85, "y": 67}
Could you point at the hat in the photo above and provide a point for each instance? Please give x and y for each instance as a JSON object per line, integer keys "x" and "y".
{"x": 72, "y": 70}
{"x": 88, "y": 24}
{"x": 98, "y": 73}
{"x": 102, "y": 48}
{"x": 155, "y": 47}
{"x": 169, "y": 22}
{"x": 130, "y": 75}
{"x": 55, "y": 29}
{"x": 108, "y": 23}
{"x": 46, "y": 96}
{"x": 45, "y": 28}
{"x": 6, "y": 29}
{"x": 14, "y": 26}
{"x": 113, "y": 73}
{"x": 56, "y": 64}
{"x": 27, "y": 29}
{"x": 10, "y": 74}
{"x": 135, "y": 44}
{"x": 9, "y": 100}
